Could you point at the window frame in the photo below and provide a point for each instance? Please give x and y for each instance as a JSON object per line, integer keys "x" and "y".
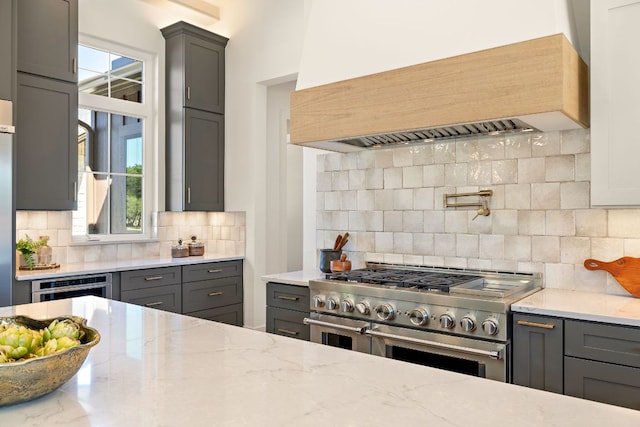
{"x": 145, "y": 110}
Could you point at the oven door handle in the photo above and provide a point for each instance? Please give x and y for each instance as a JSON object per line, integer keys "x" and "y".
{"x": 358, "y": 330}
{"x": 486, "y": 353}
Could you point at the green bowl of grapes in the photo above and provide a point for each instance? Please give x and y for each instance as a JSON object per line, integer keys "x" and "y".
{"x": 38, "y": 356}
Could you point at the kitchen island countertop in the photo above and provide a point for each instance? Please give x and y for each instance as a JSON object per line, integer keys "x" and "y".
{"x": 595, "y": 307}
{"x": 155, "y": 368}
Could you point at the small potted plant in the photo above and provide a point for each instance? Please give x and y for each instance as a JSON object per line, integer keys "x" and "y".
{"x": 28, "y": 249}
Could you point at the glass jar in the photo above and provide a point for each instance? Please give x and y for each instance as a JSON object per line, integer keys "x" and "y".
{"x": 44, "y": 251}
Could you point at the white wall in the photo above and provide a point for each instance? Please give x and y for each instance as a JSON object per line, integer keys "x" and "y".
{"x": 346, "y": 39}
{"x": 264, "y": 49}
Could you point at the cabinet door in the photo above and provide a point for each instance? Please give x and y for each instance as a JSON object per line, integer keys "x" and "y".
{"x": 289, "y": 297}
{"x": 204, "y": 75}
{"x": 150, "y": 278}
{"x": 47, "y": 143}
{"x": 167, "y": 298}
{"x": 208, "y": 294}
{"x": 6, "y": 49}
{"x": 602, "y": 382}
{"x": 615, "y": 102}
{"x": 204, "y": 161}
{"x": 212, "y": 270}
{"x": 606, "y": 343}
{"x": 538, "y": 352}
{"x": 48, "y": 38}
{"x": 287, "y": 323}
{"x": 230, "y": 314}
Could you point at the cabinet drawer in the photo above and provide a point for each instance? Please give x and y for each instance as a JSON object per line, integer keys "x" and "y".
{"x": 213, "y": 270}
{"x": 290, "y": 297}
{"x": 211, "y": 293}
{"x": 149, "y": 278}
{"x": 602, "y": 382}
{"x": 230, "y": 314}
{"x": 605, "y": 343}
{"x": 168, "y": 298}
{"x": 287, "y": 323}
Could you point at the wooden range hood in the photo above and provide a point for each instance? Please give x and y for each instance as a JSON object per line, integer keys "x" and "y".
{"x": 540, "y": 84}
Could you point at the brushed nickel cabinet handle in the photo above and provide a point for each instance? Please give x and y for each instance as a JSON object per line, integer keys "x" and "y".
{"x": 536, "y": 325}
{"x": 153, "y": 304}
{"x": 188, "y": 92}
{"x": 287, "y": 331}
{"x": 214, "y": 271}
{"x": 74, "y": 65}
{"x": 153, "y": 278}
{"x": 215, "y": 294}
{"x": 75, "y": 191}
{"x": 189, "y": 195}
{"x": 288, "y": 298}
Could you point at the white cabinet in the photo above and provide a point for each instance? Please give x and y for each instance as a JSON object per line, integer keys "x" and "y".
{"x": 615, "y": 103}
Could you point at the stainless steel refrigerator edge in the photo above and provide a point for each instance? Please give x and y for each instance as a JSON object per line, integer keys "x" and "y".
{"x": 7, "y": 203}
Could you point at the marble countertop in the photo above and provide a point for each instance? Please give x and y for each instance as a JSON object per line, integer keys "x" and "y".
{"x": 621, "y": 310}
{"x": 154, "y": 368}
{"x": 121, "y": 265}
{"x": 298, "y": 278}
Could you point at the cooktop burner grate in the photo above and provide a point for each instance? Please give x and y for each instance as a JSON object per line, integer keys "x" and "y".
{"x": 419, "y": 280}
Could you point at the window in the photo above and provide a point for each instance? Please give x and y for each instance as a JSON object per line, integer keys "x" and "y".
{"x": 115, "y": 142}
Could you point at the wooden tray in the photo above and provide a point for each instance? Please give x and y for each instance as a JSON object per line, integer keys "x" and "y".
{"x": 40, "y": 267}
{"x": 625, "y": 270}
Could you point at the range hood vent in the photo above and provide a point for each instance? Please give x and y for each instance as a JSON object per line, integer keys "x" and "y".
{"x": 535, "y": 85}
{"x": 495, "y": 127}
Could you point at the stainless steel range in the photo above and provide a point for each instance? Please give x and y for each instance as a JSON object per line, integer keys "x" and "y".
{"x": 453, "y": 319}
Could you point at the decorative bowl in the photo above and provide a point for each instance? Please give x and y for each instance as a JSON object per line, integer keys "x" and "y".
{"x": 27, "y": 379}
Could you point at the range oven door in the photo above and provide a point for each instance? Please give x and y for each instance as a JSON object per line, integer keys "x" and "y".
{"x": 339, "y": 332}
{"x": 468, "y": 356}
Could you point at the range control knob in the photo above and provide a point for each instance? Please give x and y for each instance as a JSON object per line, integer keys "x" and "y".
{"x": 318, "y": 301}
{"x": 419, "y": 316}
{"x": 490, "y": 327}
{"x": 332, "y": 303}
{"x": 468, "y": 323}
{"x": 385, "y": 311}
{"x": 347, "y": 305}
{"x": 363, "y": 307}
{"x": 447, "y": 321}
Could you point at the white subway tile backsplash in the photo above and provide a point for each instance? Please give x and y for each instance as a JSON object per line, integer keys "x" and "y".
{"x": 392, "y": 178}
{"x": 374, "y": 179}
{"x": 392, "y": 220}
{"x": 574, "y": 195}
{"x": 540, "y": 219}
{"x": 560, "y": 168}
{"x": 402, "y": 156}
{"x": 504, "y": 171}
{"x": 545, "y": 195}
{"x": 412, "y": 177}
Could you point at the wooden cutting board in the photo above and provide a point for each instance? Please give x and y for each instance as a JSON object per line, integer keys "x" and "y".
{"x": 625, "y": 270}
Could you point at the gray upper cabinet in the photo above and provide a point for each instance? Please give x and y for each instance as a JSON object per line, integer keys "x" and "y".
{"x": 46, "y": 143}
{"x": 46, "y": 104}
{"x": 195, "y": 67}
{"x": 6, "y": 49}
{"x": 48, "y": 38}
{"x": 194, "y": 119}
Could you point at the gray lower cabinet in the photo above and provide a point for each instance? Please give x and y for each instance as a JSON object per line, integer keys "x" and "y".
{"x": 538, "y": 352}
{"x": 159, "y": 288}
{"x": 589, "y": 360}
{"x": 48, "y": 38}
{"x": 213, "y": 291}
{"x": 7, "y": 38}
{"x": 46, "y": 143}
{"x": 602, "y": 363}
{"x": 287, "y": 306}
